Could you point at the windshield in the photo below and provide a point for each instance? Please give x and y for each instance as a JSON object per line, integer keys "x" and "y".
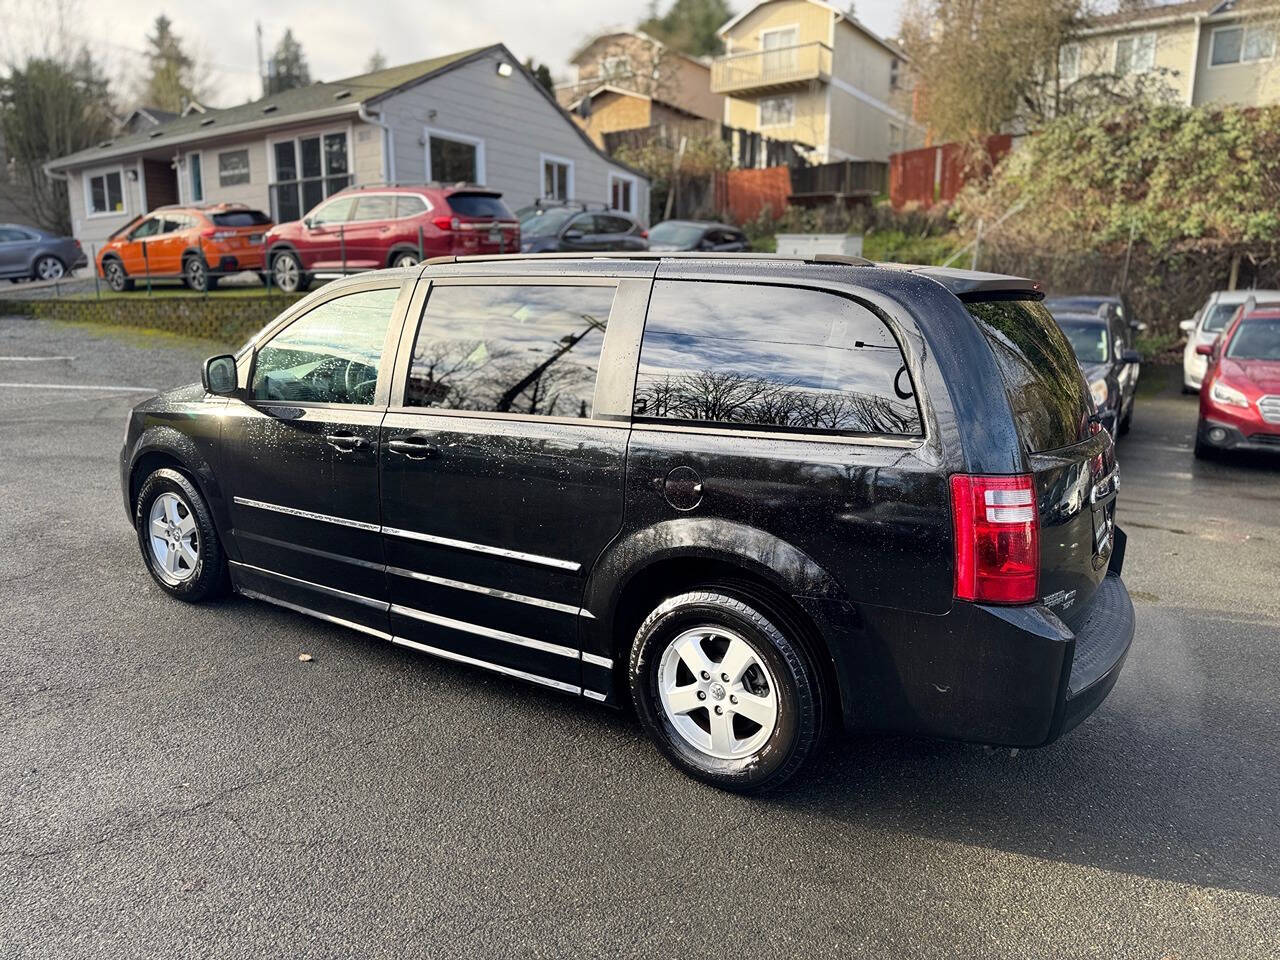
{"x": 675, "y": 234}
{"x": 546, "y": 223}
{"x": 1088, "y": 340}
{"x": 1256, "y": 340}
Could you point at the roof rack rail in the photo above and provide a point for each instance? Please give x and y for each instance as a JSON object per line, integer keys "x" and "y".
{"x": 823, "y": 258}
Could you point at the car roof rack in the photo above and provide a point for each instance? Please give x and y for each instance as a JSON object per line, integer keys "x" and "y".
{"x": 829, "y": 258}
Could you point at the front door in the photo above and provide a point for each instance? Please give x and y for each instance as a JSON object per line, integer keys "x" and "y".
{"x": 500, "y": 485}
{"x": 131, "y": 251}
{"x": 301, "y": 458}
{"x": 324, "y": 238}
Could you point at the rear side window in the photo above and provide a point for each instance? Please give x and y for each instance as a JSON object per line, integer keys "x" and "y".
{"x": 375, "y": 207}
{"x": 408, "y": 205}
{"x": 509, "y": 349}
{"x": 605, "y": 223}
{"x": 479, "y": 205}
{"x": 1041, "y": 376}
{"x": 775, "y": 357}
{"x": 240, "y": 218}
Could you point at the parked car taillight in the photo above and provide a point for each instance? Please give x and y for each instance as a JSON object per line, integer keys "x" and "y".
{"x": 997, "y": 532}
{"x": 446, "y": 223}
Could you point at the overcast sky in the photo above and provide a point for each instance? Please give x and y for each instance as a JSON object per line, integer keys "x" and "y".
{"x": 339, "y": 37}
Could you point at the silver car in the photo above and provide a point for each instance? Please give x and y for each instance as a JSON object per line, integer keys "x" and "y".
{"x": 29, "y": 253}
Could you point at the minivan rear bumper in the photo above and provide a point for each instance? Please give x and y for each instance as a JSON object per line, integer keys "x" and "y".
{"x": 1006, "y": 676}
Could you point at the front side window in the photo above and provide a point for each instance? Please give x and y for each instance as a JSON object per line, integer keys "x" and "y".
{"x": 1135, "y": 54}
{"x": 522, "y": 349}
{"x": 329, "y": 355}
{"x": 233, "y": 168}
{"x": 452, "y": 161}
{"x": 777, "y": 111}
{"x": 335, "y": 211}
{"x": 106, "y": 193}
{"x": 555, "y": 179}
{"x": 772, "y": 357}
{"x": 147, "y": 228}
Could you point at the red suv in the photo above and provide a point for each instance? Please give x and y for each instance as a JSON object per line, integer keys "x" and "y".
{"x": 1240, "y": 398}
{"x": 366, "y": 228}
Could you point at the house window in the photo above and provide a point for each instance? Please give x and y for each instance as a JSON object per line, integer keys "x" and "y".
{"x": 197, "y": 177}
{"x": 308, "y": 169}
{"x": 622, "y": 193}
{"x": 895, "y": 73}
{"x": 1136, "y": 54}
{"x": 106, "y": 193}
{"x": 233, "y": 168}
{"x": 615, "y": 68}
{"x": 777, "y": 111}
{"x": 557, "y": 178}
{"x": 779, "y": 51}
{"x": 1068, "y": 63}
{"x": 454, "y": 158}
{"x": 1242, "y": 45}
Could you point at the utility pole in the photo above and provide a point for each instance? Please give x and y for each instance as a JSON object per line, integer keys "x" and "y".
{"x": 262, "y": 76}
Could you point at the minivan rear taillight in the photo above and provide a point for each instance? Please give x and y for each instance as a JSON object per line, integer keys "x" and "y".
{"x": 997, "y": 532}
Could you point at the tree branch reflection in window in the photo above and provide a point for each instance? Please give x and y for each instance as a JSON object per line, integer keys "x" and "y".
{"x": 510, "y": 349}
{"x": 778, "y": 357}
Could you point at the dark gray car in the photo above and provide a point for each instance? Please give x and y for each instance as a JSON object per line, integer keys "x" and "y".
{"x": 702, "y": 235}
{"x": 29, "y": 253}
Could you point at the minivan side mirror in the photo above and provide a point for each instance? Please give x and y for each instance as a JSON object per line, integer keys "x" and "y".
{"x": 1186, "y": 326}
{"x": 219, "y": 375}
{"x": 1131, "y": 356}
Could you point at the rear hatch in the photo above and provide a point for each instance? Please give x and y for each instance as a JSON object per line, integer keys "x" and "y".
{"x": 241, "y": 227}
{"x": 1070, "y": 457}
{"x": 483, "y": 223}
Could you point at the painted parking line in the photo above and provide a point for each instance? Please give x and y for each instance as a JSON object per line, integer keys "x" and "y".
{"x": 31, "y": 359}
{"x": 80, "y": 386}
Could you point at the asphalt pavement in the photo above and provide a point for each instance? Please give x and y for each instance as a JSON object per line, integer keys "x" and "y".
{"x": 176, "y": 782}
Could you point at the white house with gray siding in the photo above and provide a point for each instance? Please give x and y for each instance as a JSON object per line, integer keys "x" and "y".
{"x": 477, "y": 116}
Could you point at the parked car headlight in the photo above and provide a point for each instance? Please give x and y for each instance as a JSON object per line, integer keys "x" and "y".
{"x": 1099, "y": 390}
{"x": 1222, "y": 393}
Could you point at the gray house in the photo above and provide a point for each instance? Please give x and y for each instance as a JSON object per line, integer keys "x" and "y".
{"x": 477, "y": 116}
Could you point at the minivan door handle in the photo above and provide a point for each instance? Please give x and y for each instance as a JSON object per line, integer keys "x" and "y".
{"x": 415, "y": 448}
{"x": 345, "y": 441}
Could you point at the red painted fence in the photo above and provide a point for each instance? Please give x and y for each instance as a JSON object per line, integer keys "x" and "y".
{"x": 937, "y": 174}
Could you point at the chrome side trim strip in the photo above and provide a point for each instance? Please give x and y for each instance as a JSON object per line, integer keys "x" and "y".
{"x": 597, "y": 661}
{"x": 485, "y": 664}
{"x": 491, "y": 592}
{"x": 284, "y": 545}
{"x": 306, "y": 514}
{"x": 483, "y": 548}
{"x": 592, "y": 695}
{"x": 489, "y": 632}
{"x": 298, "y": 608}
{"x": 332, "y": 591}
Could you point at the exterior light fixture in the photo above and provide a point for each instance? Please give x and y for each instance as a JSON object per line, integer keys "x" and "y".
{"x": 504, "y": 69}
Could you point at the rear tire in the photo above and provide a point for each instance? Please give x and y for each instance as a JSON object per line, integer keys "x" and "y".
{"x": 178, "y": 541}
{"x": 195, "y": 272}
{"x": 405, "y": 258}
{"x": 287, "y": 273}
{"x": 48, "y": 267}
{"x": 728, "y": 695}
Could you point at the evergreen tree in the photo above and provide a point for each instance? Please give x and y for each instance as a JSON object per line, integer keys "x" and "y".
{"x": 689, "y": 26}
{"x": 288, "y": 65}
{"x": 171, "y": 80}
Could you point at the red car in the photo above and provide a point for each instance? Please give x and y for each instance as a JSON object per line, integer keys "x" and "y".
{"x": 366, "y": 228}
{"x": 1240, "y": 398}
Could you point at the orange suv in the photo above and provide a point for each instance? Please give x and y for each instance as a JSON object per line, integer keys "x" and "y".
{"x": 196, "y": 244}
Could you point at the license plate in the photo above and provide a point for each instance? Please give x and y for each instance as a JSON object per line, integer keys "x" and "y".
{"x": 495, "y": 236}
{"x": 255, "y": 238}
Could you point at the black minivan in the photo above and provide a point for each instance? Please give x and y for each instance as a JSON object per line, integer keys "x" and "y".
{"x": 756, "y": 497}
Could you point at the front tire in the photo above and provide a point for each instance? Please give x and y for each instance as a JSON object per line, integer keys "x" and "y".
{"x": 49, "y": 267}
{"x": 177, "y": 537}
{"x": 196, "y": 274}
{"x": 117, "y": 279}
{"x": 725, "y": 692}
{"x": 287, "y": 273}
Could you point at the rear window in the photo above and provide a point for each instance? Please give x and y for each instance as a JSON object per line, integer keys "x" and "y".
{"x": 479, "y": 205}
{"x": 1045, "y": 387}
{"x": 782, "y": 358}
{"x": 240, "y": 218}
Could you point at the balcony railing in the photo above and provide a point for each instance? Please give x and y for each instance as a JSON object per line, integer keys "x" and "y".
{"x": 777, "y": 67}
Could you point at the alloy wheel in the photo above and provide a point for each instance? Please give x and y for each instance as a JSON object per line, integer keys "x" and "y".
{"x": 115, "y": 276}
{"x": 406, "y": 260}
{"x": 50, "y": 268}
{"x": 197, "y": 275}
{"x": 286, "y": 272}
{"x": 173, "y": 538}
{"x": 717, "y": 692}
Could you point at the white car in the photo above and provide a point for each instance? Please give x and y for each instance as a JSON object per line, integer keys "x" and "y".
{"x": 1205, "y": 326}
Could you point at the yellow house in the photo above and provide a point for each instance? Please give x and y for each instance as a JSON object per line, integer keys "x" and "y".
{"x": 806, "y": 70}
{"x": 1205, "y": 51}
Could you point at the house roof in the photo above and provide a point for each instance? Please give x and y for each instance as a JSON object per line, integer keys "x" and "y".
{"x": 839, "y": 15}
{"x": 639, "y": 35}
{"x": 317, "y": 99}
{"x": 1178, "y": 12}
{"x": 634, "y": 94}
